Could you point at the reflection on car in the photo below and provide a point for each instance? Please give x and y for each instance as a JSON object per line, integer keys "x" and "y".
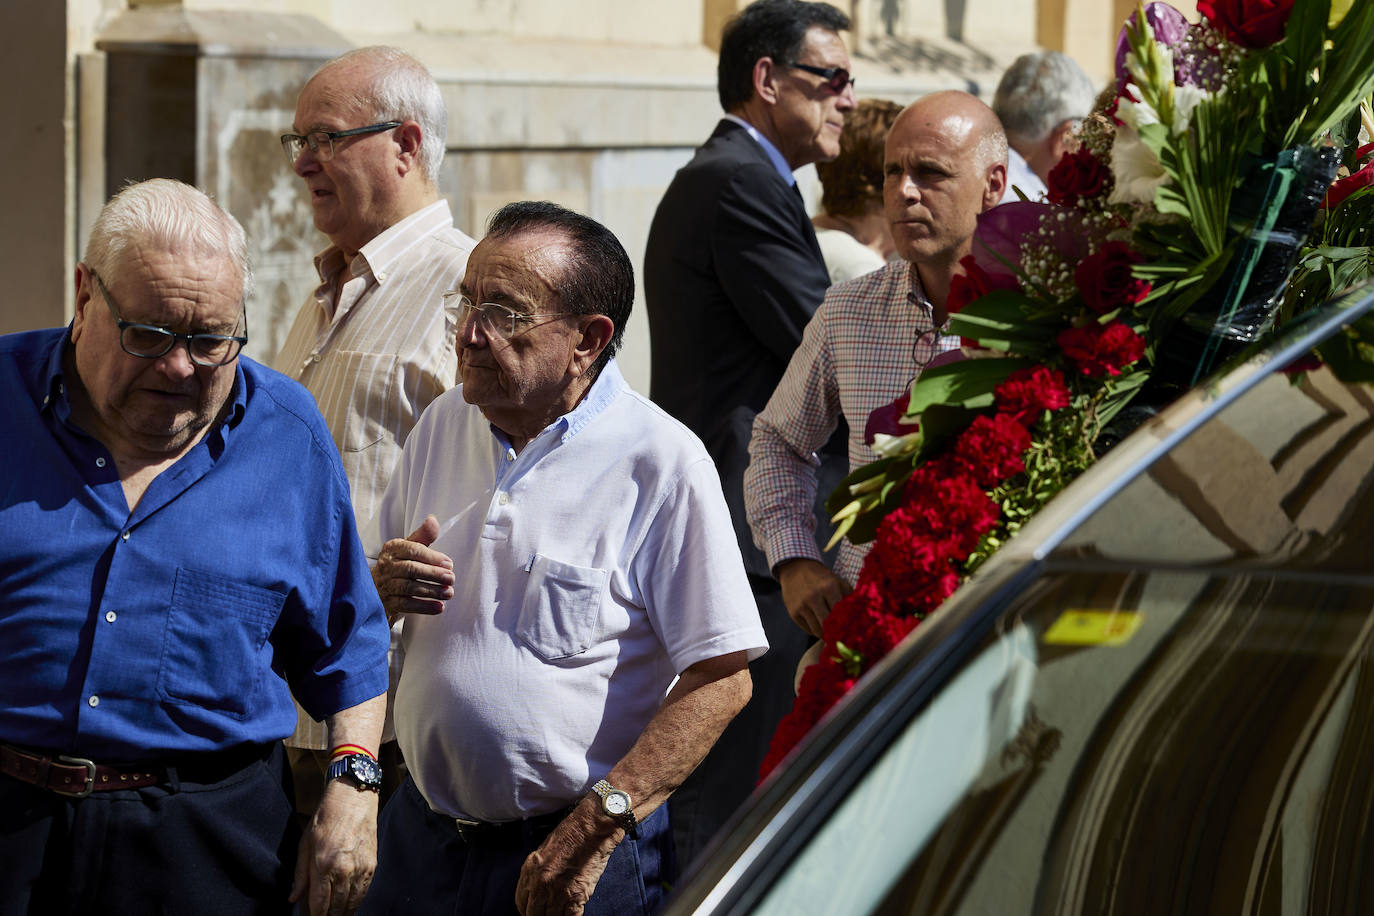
{"x": 1158, "y": 698}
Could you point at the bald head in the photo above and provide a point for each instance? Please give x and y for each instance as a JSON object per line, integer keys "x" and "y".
{"x": 962, "y": 119}
{"x": 945, "y": 163}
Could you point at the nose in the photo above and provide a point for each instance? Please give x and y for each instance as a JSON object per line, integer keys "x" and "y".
{"x": 176, "y": 362}
{"x": 470, "y": 333}
{"x": 909, "y": 189}
{"x": 849, "y": 99}
{"x": 306, "y": 163}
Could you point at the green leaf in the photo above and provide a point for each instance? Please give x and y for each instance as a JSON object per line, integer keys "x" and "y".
{"x": 968, "y": 383}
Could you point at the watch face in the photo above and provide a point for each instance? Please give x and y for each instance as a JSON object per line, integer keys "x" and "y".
{"x": 617, "y": 803}
{"x": 365, "y": 770}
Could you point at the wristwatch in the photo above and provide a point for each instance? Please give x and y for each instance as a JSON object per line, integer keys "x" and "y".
{"x": 365, "y": 772}
{"x": 616, "y": 805}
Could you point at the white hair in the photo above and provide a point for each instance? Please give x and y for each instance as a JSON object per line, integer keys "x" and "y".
{"x": 1039, "y": 92}
{"x": 169, "y": 216}
{"x": 403, "y": 90}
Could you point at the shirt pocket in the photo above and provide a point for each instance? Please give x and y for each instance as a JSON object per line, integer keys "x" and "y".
{"x": 561, "y": 615}
{"x": 215, "y": 652}
{"x": 368, "y": 395}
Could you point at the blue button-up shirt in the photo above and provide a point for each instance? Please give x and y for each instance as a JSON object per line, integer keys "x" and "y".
{"x": 175, "y": 627}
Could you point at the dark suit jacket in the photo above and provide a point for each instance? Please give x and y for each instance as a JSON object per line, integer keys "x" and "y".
{"x": 732, "y": 274}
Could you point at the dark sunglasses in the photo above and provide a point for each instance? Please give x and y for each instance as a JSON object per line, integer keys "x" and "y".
{"x": 836, "y": 78}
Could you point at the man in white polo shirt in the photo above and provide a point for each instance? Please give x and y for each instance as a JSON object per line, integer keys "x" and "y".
{"x": 563, "y": 553}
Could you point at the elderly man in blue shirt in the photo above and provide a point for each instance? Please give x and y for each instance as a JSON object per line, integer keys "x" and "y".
{"x": 176, "y": 546}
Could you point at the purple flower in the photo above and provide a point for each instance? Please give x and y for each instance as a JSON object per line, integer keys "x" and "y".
{"x": 1167, "y": 24}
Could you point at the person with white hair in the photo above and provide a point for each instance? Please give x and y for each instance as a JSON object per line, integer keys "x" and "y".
{"x": 177, "y": 558}
{"x": 373, "y": 341}
{"x": 1041, "y": 99}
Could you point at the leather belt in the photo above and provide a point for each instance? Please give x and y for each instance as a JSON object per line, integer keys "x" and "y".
{"x": 73, "y": 776}
{"x": 509, "y": 833}
{"x": 77, "y": 777}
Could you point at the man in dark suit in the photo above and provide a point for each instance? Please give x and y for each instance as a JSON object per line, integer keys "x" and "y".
{"x": 732, "y": 274}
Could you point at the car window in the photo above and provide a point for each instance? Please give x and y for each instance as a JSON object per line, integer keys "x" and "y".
{"x": 1177, "y": 716}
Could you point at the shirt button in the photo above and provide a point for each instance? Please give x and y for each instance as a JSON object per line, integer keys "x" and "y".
{"x": 45, "y": 400}
{"x": 123, "y": 535}
{"x": 381, "y": 276}
{"x": 100, "y": 462}
{"x": 93, "y": 702}
{"x": 109, "y": 618}
{"x": 503, "y": 498}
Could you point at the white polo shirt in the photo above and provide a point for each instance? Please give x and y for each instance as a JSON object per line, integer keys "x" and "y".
{"x": 591, "y": 569}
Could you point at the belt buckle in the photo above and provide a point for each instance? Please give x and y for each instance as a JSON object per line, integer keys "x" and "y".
{"x": 90, "y": 776}
{"x": 468, "y": 830}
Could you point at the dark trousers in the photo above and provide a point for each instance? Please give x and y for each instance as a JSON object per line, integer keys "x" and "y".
{"x": 424, "y": 867}
{"x": 227, "y": 847}
{"x": 724, "y": 779}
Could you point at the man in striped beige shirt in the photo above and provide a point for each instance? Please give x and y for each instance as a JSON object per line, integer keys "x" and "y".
{"x": 374, "y": 342}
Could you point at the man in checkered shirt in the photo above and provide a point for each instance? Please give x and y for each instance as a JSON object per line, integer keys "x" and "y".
{"x": 945, "y": 163}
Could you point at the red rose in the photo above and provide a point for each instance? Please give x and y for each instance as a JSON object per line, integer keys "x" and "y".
{"x": 1028, "y": 393}
{"x": 1075, "y": 175}
{"x": 974, "y": 283}
{"x": 1097, "y": 350}
{"x": 1105, "y": 278}
{"x": 1249, "y": 23}
{"x": 1344, "y": 187}
{"x": 888, "y": 419}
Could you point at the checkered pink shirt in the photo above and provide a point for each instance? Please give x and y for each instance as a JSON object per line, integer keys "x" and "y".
{"x": 861, "y": 350}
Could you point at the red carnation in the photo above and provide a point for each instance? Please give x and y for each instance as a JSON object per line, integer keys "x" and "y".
{"x": 888, "y": 419}
{"x": 1077, "y": 174}
{"x": 1098, "y": 350}
{"x": 990, "y": 449}
{"x": 974, "y": 283}
{"x": 1249, "y": 23}
{"x": 1105, "y": 278}
{"x": 1028, "y": 393}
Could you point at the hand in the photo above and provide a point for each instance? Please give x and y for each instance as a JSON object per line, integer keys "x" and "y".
{"x": 411, "y": 578}
{"x": 559, "y": 877}
{"x": 338, "y": 852}
{"x": 809, "y": 591}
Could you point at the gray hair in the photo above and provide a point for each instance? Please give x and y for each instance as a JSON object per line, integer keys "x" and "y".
{"x": 403, "y": 90}
{"x": 1039, "y": 92}
{"x": 169, "y": 216}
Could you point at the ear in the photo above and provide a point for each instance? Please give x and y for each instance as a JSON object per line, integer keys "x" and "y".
{"x": 409, "y": 138}
{"x": 1063, "y": 139}
{"x": 765, "y": 80}
{"x": 596, "y": 335}
{"x": 995, "y": 185}
{"x": 85, "y": 291}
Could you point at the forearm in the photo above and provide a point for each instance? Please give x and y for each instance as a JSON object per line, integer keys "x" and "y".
{"x": 779, "y": 492}
{"x": 360, "y": 725}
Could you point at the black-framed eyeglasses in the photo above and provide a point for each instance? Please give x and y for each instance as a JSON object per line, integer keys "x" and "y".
{"x": 148, "y": 341}
{"x": 321, "y": 142}
{"x": 836, "y": 78}
{"x": 497, "y": 320}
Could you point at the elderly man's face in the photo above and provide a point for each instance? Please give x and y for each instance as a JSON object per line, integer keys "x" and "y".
{"x": 517, "y": 376}
{"x": 935, "y": 184}
{"x": 353, "y": 195}
{"x": 154, "y": 407}
{"x": 809, "y": 115}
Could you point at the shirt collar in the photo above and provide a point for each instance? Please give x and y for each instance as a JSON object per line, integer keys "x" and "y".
{"x": 378, "y": 255}
{"x": 774, "y": 156}
{"x": 53, "y": 390}
{"x": 607, "y": 386}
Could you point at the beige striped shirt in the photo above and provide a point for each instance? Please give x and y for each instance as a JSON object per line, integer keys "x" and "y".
{"x": 377, "y": 358}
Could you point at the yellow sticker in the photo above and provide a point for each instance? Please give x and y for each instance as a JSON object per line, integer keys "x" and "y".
{"x": 1093, "y": 628}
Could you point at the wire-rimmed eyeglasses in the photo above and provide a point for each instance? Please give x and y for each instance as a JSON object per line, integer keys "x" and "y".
{"x": 836, "y": 78}
{"x": 148, "y": 341}
{"x": 321, "y": 142}
{"x": 497, "y": 320}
